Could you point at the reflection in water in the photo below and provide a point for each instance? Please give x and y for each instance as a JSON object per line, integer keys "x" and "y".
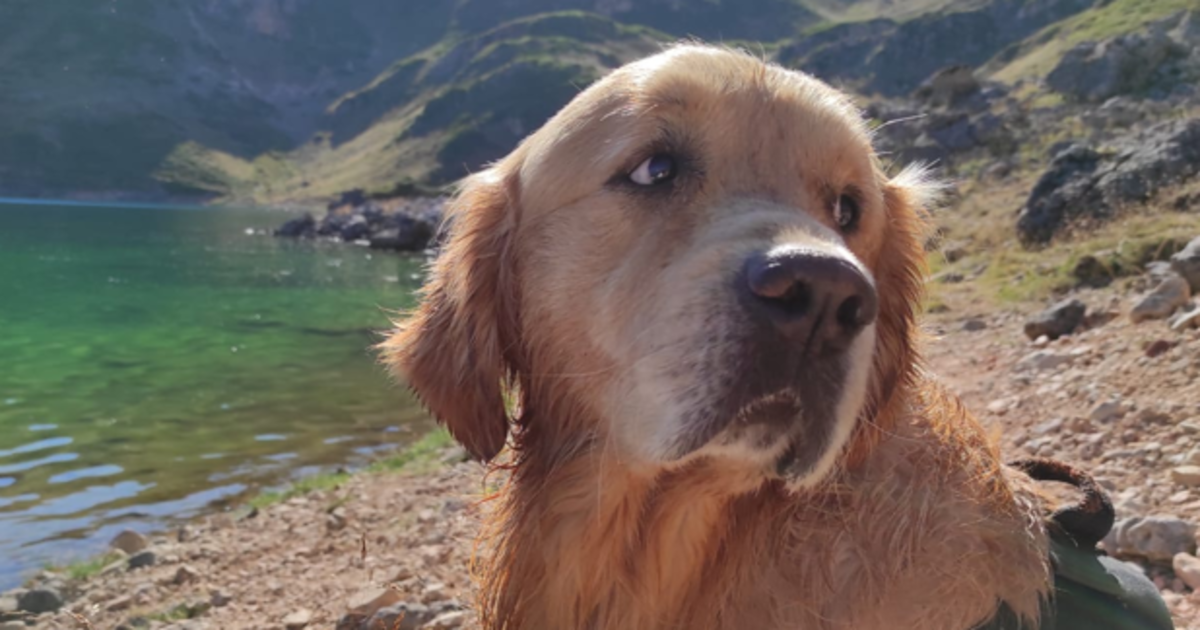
{"x": 159, "y": 362}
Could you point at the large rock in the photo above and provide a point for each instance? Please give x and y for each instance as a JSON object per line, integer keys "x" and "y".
{"x": 949, "y": 86}
{"x": 404, "y": 233}
{"x": 1154, "y": 538}
{"x": 300, "y": 227}
{"x": 1164, "y": 300}
{"x": 42, "y": 599}
{"x": 1083, "y": 183}
{"x": 1095, "y": 71}
{"x": 129, "y": 541}
{"x": 1187, "y": 264}
{"x": 1058, "y": 320}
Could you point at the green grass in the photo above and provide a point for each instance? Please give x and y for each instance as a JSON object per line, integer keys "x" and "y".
{"x": 84, "y": 569}
{"x": 419, "y": 457}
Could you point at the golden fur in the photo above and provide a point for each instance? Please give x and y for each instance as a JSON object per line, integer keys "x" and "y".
{"x": 590, "y": 306}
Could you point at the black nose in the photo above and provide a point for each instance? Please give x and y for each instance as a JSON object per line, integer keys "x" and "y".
{"x": 817, "y": 299}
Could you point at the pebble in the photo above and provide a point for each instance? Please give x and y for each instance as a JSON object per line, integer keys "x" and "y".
{"x": 1107, "y": 411}
{"x": 1186, "y": 476}
{"x": 448, "y": 621}
{"x": 186, "y": 575}
{"x": 298, "y": 619}
{"x": 1168, "y": 296}
{"x": 1187, "y": 568}
{"x": 1154, "y": 538}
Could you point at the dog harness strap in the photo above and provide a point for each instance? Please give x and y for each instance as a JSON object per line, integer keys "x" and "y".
{"x": 1091, "y": 590}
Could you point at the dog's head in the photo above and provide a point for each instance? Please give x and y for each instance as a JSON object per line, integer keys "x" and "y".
{"x": 698, "y": 257}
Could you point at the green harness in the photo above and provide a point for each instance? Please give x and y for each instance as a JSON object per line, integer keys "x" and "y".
{"x": 1091, "y": 590}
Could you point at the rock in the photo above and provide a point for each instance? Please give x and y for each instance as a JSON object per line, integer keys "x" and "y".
{"x": 185, "y": 575}
{"x": 219, "y": 598}
{"x": 1094, "y": 71}
{"x": 1168, "y": 296}
{"x": 1187, "y": 568}
{"x": 129, "y": 541}
{"x": 1155, "y": 538}
{"x": 1093, "y": 271}
{"x": 1159, "y": 347}
{"x": 121, "y": 603}
{"x": 298, "y": 619}
{"x": 39, "y": 600}
{"x": 403, "y": 616}
{"x": 1186, "y": 320}
{"x": 1058, "y": 320}
{"x": 448, "y": 621}
{"x": 1107, "y": 412}
{"x": 1187, "y": 264}
{"x": 1042, "y": 360}
{"x": 948, "y": 86}
{"x": 354, "y": 229}
{"x": 433, "y": 593}
{"x": 142, "y": 559}
{"x": 13, "y": 625}
{"x": 1082, "y": 182}
{"x": 403, "y": 233}
{"x": 301, "y": 227}
{"x": 1186, "y": 476}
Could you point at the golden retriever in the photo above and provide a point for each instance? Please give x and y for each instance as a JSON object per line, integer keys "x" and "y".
{"x": 687, "y": 304}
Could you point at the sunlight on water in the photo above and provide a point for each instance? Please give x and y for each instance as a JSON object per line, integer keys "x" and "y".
{"x": 155, "y": 362}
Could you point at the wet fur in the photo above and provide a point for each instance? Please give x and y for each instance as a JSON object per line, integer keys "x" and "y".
{"x": 917, "y": 525}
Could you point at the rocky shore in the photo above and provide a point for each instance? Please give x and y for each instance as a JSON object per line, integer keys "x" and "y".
{"x": 404, "y": 224}
{"x": 1098, "y": 378}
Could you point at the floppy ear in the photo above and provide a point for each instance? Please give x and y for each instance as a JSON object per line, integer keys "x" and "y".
{"x": 451, "y": 351}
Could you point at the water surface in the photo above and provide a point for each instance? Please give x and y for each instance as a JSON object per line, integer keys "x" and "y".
{"x": 157, "y": 362}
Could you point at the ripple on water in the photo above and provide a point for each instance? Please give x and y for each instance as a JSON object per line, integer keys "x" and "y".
{"x": 43, "y": 427}
{"x": 87, "y": 473}
{"x": 270, "y": 437}
{"x": 30, "y": 465}
{"x": 88, "y": 499}
{"x": 40, "y": 445}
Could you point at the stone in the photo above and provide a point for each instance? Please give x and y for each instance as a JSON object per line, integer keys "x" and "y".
{"x": 1159, "y": 347}
{"x": 1058, "y": 320}
{"x": 1186, "y": 476}
{"x": 1093, "y": 271}
{"x": 1093, "y": 71}
{"x": 129, "y": 541}
{"x": 43, "y": 599}
{"x": 1186, "y": 320}
{"x": 298, "y": 619}
{"x": 13, "y": 625}
{"x": 121, "y": 603}
{"x": 1107, "y": 411}
{"x": 403, "y": 616}
{"x": 974, "y": 325}
{"x": 185, "y": 574}
{"x": 433, "y": 593}
{"x": 1187, "y": 568}
{"x": 1186, "y": 263}
{"x": 219, "y": 598}
{"x": 142, "y": 559}
{"x": 1154, "y": 538}
{"x": 448, "y": 621}
{"x": 1168, "y": 296}
{"x": 1042, "y": 360}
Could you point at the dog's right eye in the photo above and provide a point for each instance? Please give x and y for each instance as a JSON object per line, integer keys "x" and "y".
{"x": 656, "y": 169}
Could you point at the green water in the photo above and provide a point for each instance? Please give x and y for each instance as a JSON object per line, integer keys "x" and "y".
{"x": 157, "y": 362}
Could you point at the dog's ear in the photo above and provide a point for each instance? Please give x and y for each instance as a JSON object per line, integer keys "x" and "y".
{"x": 451, "y": 351}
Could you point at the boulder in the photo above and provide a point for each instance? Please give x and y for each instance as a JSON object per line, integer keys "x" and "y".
{"x": 1095, "y": 71}
{"x": 1058, "y": 320}
{"x": 1187, "y": 568}
{"x": 1154, "y": 538}
{"x": 1186, "y": 263}
{"x": 354, "y": 229}
{"x": 1083, "y": 183}
{"x": 403, "y": 233}
{"x": 1165, "y": 299}
{"x": 949, "y": 86}
{"x": 142, "y": 559}
{"x": 404, "y": 616}
{"x": 301, "y": 227}
{"x": 1188, "y": 476}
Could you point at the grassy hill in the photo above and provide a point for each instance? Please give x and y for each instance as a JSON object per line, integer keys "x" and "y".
{"x": 277, "y": 102}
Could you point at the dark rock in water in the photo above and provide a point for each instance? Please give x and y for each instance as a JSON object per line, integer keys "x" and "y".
{"x": 1084, "y": 183}
{"x": 1058, "y": 320}
{"x": 356, "y": 228}
{"x": 403, "y": 233}
{"x": 1187, "y": 264}
{"x": 39, "y": 600}
{"x": 300, "y": 227}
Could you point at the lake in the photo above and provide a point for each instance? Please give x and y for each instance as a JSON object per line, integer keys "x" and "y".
{"x": 157, "y": 363}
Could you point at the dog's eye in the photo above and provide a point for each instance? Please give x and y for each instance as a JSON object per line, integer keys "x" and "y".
{"x": 846, "y": 212}
{"x": 655, "y": 170}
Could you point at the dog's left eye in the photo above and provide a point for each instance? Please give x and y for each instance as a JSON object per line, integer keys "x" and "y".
{"x": 846, "y": 212}
{"x": 656, "y": 169}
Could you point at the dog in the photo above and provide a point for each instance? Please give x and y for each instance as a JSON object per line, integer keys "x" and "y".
{"x": 687, "y": 305}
